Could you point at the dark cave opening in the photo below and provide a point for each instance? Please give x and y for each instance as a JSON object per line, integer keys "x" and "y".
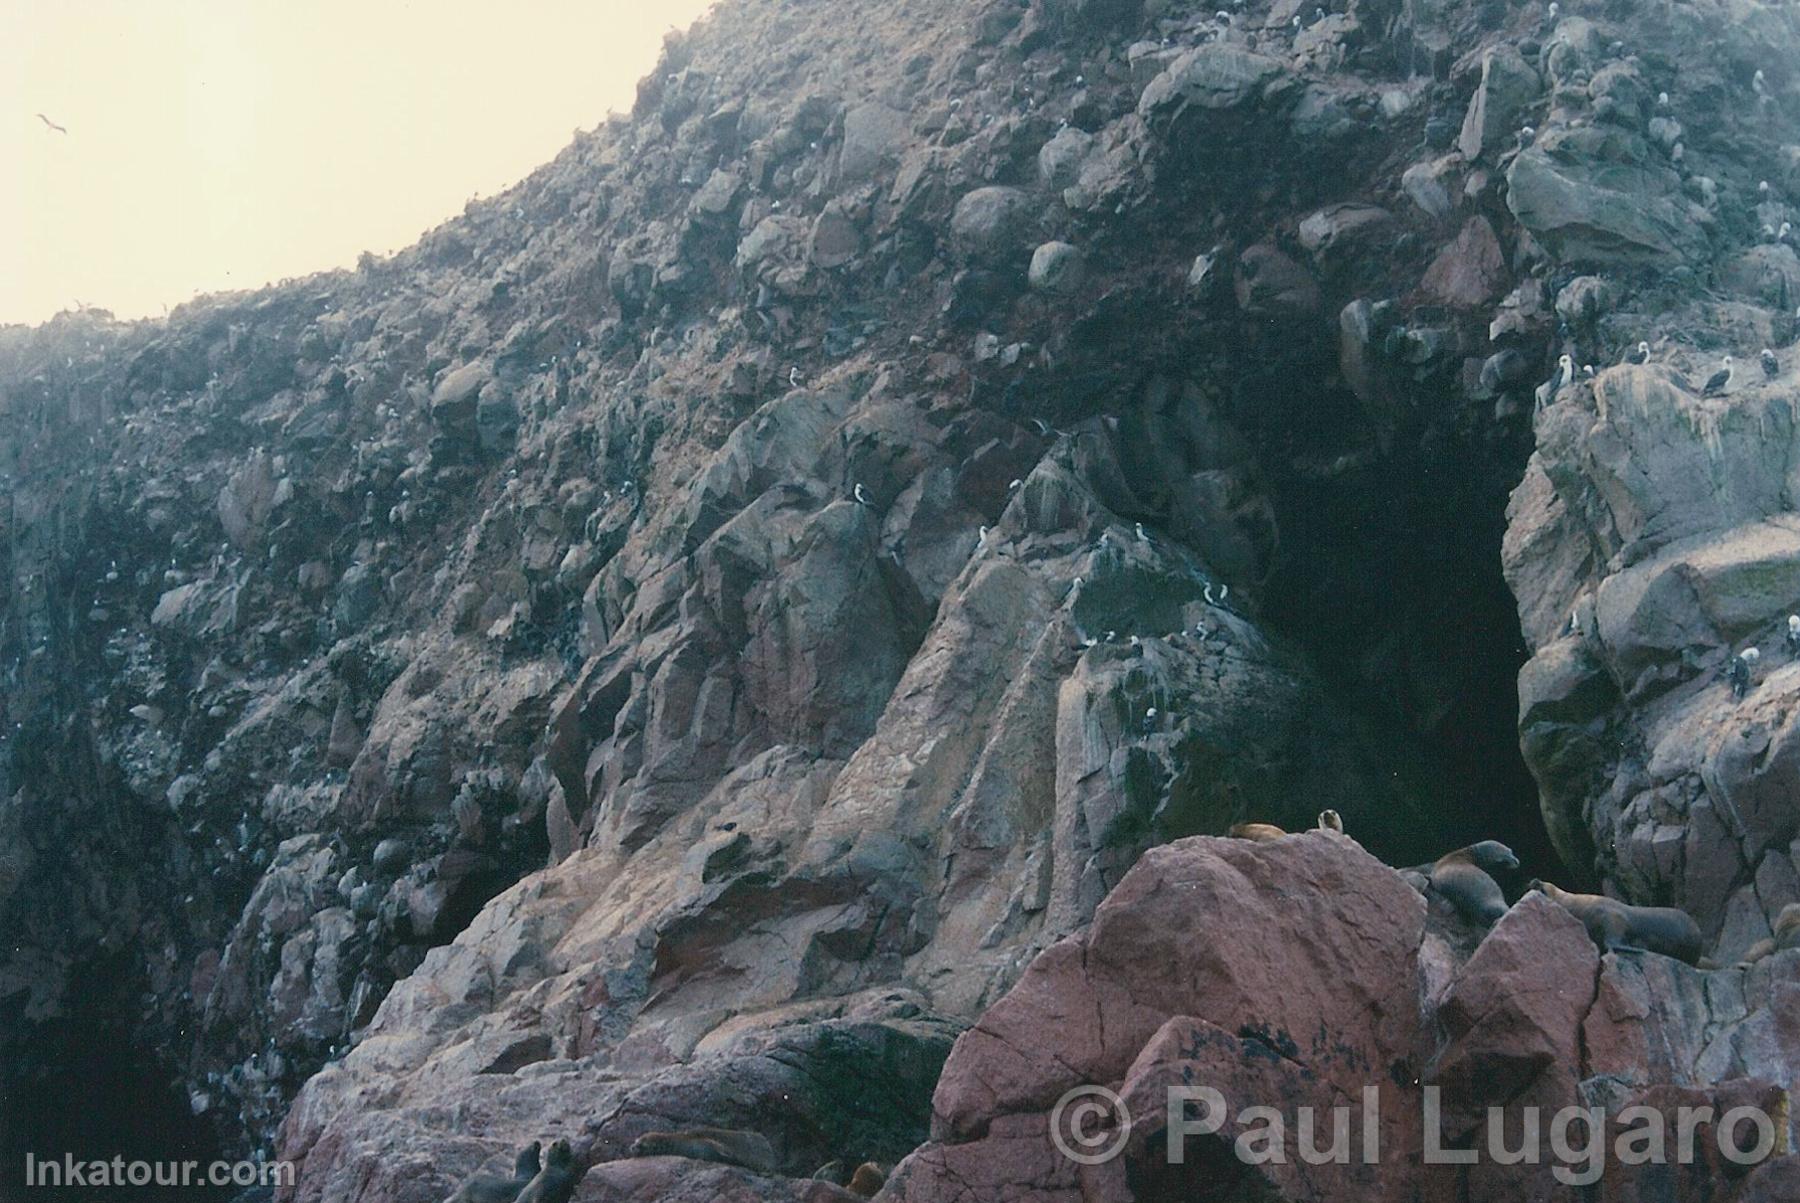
{"x": 1390, "y": 576}
{"x": 85, "y": 1087}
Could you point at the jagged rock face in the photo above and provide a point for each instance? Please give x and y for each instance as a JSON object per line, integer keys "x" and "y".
{"x": 1650, "y": 541}
{"x": 682, "y": 639}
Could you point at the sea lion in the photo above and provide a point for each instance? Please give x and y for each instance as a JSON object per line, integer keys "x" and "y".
{"x": 867, "y": 1180}
{"x": 1331, "y": 820}
{"x": 555, "y": 1182}
{"x": 1787, "y": 935}
{"x": 492, "y": 1188}
{"x": 1616, "y": 925}
{"x": 724, "y": 1146}
{"x": 1462, "y": 877}
{"x": 1261, "y": 833}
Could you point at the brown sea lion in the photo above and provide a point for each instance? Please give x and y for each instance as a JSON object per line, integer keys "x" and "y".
{"x": 1331, "y": 820}
{"x": 1261, "y": 833}
{"x": 556, "y": 1181}
{"x": 1462, "y": 877}
{"x": 1616, "y": 925}
{"x": 867, "y": 1180}
{"x": 493, "y": 1188}
{"x": 724, "y": 1146}
{"x": 1787, "y": 935}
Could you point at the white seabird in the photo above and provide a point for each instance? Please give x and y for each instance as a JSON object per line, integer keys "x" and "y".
{"x": 1719, "y": 380}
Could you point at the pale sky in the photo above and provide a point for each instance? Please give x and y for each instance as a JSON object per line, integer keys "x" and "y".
{"x": 222, "y": 144}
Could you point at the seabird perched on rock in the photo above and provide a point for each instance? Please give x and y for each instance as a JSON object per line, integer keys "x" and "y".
{"x": 1662, "y": 100}
{"x": 794, "y": 377}
{"x": 1638, "y": 354}
{"x": 1587, "y": 369}
{"x": 1739, "y": 672}
{"x": 1111, "y": 635}
{"x": 1771, "y": 366}
{"x": 1565, "y": 375}
{"x": 1105, "y": 539}
{"x": 1793, "y": 635}
{"x": 1758, "y": 82}
{"x": 1719, "y": 380}
{"x": 1526, "y": 134}
{"x": 862, "y": 497}
{"x": 1142, "y": 537}
{"x": 1150, "y": 719}
{"x": 981, "y": 536}
{"x": 1013, "y": 484}
{"x": 1136, "y": 642}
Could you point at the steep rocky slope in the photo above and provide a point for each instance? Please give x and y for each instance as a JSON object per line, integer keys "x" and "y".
{"x": 675, "y": 645}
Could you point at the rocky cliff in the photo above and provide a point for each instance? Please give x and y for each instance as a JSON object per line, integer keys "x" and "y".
{"x": 688, "y": 638}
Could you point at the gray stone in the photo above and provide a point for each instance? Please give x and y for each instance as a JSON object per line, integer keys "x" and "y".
{"x": 991, "y": 220}
{"x": 1423, "y": 184}
{"x": 1507, "y": 85}
{"x": 835, "y": 239}
{"x": 1588, "y": 195}
{"x": 874, "y": 135}
{"x": 1056, "y": 267}
{"x": 717, "y": 196}
{"x": 1213, "y": 76}
{"x": 1059, "y": 159}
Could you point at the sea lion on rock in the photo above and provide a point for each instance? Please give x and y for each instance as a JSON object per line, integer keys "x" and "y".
{"x": 868, "y": 1179}
{"x": 1261, "y": 833}
{"x": 555, "y": 1183}
{"x": 1787, "y": 935}
{"x": 1616, "y": 925}
{"x": 492, "y": 1188}
{"x": 723, "y": 1146}
{"x": 1462, "y": 877}
{"x": 1331, "y": 820}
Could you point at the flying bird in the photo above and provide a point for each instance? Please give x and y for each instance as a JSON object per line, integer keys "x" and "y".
{"x": 59, "y": 129}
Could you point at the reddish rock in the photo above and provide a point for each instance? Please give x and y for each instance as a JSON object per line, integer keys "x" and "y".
{"x": 1470, "y": 271}
{"x": 1299, "y": 974}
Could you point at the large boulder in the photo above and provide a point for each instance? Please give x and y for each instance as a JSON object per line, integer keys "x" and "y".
{"x": 992, "y": 220}
{"x": 1593, "y": 195}
{"x": 1218, "y": 75}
